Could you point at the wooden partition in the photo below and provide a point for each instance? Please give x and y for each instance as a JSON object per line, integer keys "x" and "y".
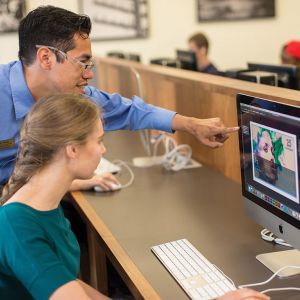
{"x": 192, "y": 94}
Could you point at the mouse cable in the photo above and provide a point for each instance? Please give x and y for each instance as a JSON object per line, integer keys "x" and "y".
{"x": 124, "y": 164}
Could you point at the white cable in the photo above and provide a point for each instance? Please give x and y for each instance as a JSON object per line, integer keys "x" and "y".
{"x": 175, "y": 157}
{"x": 270, "y": 237}
{"x": 144, "y": 135}
{"x": 280, "y": 289}
{"x": 124, "y": 164}
{"x": 268, "y": 280}
{"x": 231, "y": 281}
{"x": 156, "y": 140}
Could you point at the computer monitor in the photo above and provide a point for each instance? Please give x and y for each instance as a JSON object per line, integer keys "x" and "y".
{"x": 164, "y": 61}
{"x": 134, "y": 57}
{"x": 269, "y": 141}
{"x": 187, "y": 60}
{"x": 116, "y": 54}
{"x": 288, "y": 75}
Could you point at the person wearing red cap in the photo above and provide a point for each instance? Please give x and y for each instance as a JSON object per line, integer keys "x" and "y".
{"x": 290, "y": 53}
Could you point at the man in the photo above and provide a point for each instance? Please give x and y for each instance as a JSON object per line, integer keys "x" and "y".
{"x": 55, "y": 56}
{"x": 198, "y": 43}
{"x": 290, "y": 53}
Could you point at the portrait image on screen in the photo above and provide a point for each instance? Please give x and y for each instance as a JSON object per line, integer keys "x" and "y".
{"x": 269, "y": 141}
{"x": 274, "y": 158}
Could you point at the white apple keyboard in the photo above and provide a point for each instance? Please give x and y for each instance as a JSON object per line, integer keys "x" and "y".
{"x": 198, "y": 277}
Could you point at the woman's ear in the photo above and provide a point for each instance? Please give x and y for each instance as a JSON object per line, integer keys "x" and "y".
{"x": 71, "y": 150}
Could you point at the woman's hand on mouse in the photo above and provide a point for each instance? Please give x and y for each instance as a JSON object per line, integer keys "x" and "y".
{"x": 105, "y": 181}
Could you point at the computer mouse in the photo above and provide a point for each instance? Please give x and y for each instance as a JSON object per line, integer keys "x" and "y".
{"x": 113, "y": 187}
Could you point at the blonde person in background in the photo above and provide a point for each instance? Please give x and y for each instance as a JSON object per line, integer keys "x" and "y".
{"x": 61, "y": 139}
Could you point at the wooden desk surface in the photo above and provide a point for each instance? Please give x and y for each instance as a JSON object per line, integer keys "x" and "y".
{"x": 200, "y": 204}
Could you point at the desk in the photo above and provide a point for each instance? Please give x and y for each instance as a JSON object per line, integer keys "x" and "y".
{"x": 200, "y": 204}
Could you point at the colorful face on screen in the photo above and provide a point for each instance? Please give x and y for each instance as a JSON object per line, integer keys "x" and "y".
{"x": 274, "y": 160}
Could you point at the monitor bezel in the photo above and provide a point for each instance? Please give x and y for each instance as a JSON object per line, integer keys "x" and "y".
{"x": 292, "y": 70}
{"x": 248, "y": 99}
{"x": 193, "y": 55}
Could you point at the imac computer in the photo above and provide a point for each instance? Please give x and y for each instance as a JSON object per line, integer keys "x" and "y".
{"x": 287, "y": 75}
{"x": 269, "y": 141}
{"x": 187, "y": 60}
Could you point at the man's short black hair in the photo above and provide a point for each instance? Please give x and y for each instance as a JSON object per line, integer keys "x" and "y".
{"x": 50, "y": 26}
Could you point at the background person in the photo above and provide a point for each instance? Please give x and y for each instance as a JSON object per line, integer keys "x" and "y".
{"x": 198, "y": 43}
{"x": 290, "y": 53}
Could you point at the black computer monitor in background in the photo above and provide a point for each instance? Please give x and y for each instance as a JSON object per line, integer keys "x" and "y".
{"x": 269, "y": 141}
{"x": 164, "y": 61}
{"x": 288, "y": 75}
{"x": 116, "y": 54}
{"x": 122, "y": 55}
{"x": 187, "y": 60}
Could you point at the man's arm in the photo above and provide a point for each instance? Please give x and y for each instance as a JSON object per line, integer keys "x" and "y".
{"x": 135, "y": 114}
{"x": 209, "y": 132}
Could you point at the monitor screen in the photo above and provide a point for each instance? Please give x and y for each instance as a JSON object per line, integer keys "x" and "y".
{"x": 288, "y": 75}
{"x": 270, "y": 150}
{"x": 187, "y": 60}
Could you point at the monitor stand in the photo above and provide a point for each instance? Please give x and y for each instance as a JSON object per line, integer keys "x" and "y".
{"x": 276, "y": 260}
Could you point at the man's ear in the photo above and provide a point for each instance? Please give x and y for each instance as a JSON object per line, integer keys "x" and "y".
{"x": 45, "y": 58}
{"x": 72, "y": 150}
{"x": 203, "y": 51}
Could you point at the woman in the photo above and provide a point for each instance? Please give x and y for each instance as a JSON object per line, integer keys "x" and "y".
{"x": 61, "y": 140}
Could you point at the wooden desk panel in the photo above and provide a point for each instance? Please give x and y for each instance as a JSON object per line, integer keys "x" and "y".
{"x": 201, "y": 205}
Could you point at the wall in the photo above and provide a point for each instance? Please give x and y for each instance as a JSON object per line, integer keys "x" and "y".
{"x": 172, "y": 21}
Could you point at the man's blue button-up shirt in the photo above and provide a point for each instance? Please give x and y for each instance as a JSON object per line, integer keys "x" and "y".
{"x": 16, "y": 101}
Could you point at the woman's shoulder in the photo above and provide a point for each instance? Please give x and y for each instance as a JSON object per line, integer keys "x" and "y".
{"x": 19, "y": 216}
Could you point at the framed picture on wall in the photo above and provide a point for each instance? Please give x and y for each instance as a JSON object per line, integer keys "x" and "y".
{"x": 220, "y": 10}
{"x": 11, "y": 12}
{"x": 117, "y": 19}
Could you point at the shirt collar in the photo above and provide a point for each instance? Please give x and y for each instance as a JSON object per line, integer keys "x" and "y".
{"x": 22, "y": 98}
